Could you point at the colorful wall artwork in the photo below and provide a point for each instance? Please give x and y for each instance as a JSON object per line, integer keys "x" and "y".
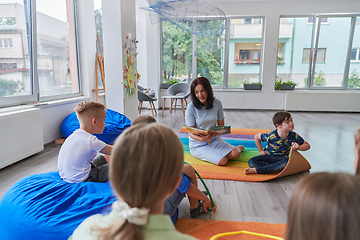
{"x": 131, "y": 76}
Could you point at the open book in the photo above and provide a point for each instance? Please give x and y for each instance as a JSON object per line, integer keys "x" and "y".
{"x": 218, "y": 129}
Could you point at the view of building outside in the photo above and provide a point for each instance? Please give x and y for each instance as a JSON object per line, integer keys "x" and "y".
{"x": 14, "y": 52}
{"x": 295, "y": 50}
{"x": 354, "y": 72}
{"x": 56, "y": 49}
{"x": 295, "y": 40}
{"x": 295, "y": 36}
{"x": 330, "y": 64}
{"x": 244, "y": 51}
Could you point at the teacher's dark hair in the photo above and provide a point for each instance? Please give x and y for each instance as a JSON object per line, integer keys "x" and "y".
{"x": 207, "y": 87}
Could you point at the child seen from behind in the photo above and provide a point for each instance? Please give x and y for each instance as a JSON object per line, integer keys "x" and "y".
{"x": 325, "y": 206}
{"x": 199, "y": 202}
{"x": 275, "y": 156}
{"x": 78, "y": 159}
{"x": 145, "y": 169}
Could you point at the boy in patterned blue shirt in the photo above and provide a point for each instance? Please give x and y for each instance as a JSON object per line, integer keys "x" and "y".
{"x": 279, "y": 142}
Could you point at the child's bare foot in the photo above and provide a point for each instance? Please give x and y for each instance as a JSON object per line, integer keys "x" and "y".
{"x": 241, "y": 148}
{"x": 249, "y": 170}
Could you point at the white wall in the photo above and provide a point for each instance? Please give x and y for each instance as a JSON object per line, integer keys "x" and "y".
{"x": 118, "y": 21}
{"x": 54, "y": 113}
{"x": 267, "y": 98}
{"x": 149, "y": 49}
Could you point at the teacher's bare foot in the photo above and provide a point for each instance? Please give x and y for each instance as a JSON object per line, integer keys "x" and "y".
{"x": 249, "y": 170}
{"x": 241, "y": 148}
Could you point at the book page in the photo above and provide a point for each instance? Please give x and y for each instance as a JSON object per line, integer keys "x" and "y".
{"x": 220, "y": 129}
{"x": 198, "y": 131}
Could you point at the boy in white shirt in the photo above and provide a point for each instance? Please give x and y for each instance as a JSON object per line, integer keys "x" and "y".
{"x": 78, "y": 159}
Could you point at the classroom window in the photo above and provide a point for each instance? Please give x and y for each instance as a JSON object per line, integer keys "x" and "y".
{"x": 335, "y": 36}
{"x": 354, "y": 68}
{"x": 99, "y": 33}
{"x": 54, "y": 73}
{"x": 176, "y": 54}
{"x": 245, "y": 51}
{"x": 210, "y": 54}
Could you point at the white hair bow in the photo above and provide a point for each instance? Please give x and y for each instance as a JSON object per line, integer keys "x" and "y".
{"x": 137, "y": 216}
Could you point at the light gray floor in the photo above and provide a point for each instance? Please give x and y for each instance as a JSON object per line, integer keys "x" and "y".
{"x": 329, "y": 134}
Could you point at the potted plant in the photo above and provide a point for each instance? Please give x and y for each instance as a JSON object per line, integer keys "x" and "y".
{"x": 167, "y": 84}
{"x": 284, "y": 85}
{"x": 280, "y": 60}
{"x": 252, "y": 86}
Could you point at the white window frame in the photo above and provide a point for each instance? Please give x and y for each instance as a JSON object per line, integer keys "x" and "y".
{"x": 30, "y": 9}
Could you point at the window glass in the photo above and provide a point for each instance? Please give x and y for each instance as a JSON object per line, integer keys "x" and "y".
{"x": 244, "y": 51}
{"x": 14, "y": 53}
{"x": 334, "y": 37}
{"x": 99, "y": 32}
{"x": 354, "y": 70}
{"x": 294, "y": 46}
{"x": 57, "y": 73}
{"x": 176, "y": 54}
{"x": 210, "y": 54}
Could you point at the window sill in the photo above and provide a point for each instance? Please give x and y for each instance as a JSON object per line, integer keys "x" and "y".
{"x": 43, "y": 104}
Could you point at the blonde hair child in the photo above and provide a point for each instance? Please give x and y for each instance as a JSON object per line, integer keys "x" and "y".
{"x": 143, "y": 119}
{"x": 357, "y": 152}
{"x": 145, "y": 169}
{"x": 79, "y": 159}
{"x": 325, "y": 206}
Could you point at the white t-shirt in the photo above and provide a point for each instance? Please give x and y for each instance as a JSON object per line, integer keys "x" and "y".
{"x": 75, "y": 155}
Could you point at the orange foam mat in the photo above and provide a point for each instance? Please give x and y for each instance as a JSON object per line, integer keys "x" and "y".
{"x": 205, "y": 229}
{"x": 234, "y": 170}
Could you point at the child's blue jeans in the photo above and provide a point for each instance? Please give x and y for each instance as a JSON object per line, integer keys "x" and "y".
{"x": 268, "y": 163}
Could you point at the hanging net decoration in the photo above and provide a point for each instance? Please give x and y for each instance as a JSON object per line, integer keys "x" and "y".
{"x": 192, "y": 16}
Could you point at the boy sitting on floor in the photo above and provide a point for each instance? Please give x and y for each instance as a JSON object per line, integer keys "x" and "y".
{"x": 275, "y": 156}
{"x": 199, "y": 202}
{"x": 78, "y": 159}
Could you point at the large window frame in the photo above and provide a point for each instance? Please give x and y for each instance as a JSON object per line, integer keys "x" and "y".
{"x": 314, "y": 48}
{"x": 226, "y": 60}
{"x": 31, "y": 22}
{"x": 348, "y": 54}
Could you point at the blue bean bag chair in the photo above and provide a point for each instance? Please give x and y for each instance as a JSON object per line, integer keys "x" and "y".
{"x": 115, "y": 122}
{"x": 42, "y": 206}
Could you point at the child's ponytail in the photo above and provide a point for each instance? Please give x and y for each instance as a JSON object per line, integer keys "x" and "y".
{"x": 146, "y": 162}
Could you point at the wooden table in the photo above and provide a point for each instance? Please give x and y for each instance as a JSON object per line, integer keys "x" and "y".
{"x": 174, "y": 98}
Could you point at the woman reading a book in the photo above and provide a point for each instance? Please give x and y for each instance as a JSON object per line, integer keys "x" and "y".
{"x": 206, "y": 112}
